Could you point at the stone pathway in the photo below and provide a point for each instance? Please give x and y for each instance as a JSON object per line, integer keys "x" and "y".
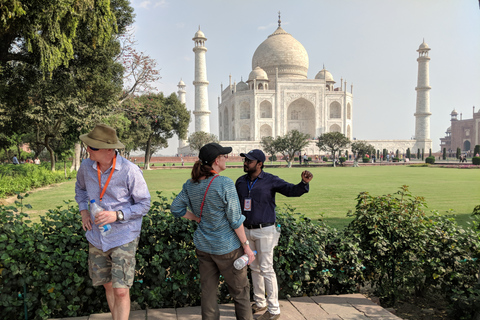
{"x": 347, "y": 307}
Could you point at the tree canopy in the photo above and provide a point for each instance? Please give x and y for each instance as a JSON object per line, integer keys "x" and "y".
{"x": 200, "y": 138}
{"x": 155, "y": 119}
{"x": 294, "y": 141}
{"x": 41, "y": 33}
{"x": 332, "y": 142}
{"x": 55, "y": 103}
{"x": 361, "y": 148}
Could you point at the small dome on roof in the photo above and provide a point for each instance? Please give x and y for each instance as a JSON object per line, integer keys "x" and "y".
{"x": 454, "y": 113}
{"x": 181, "y": 83}
{"x": 258, "y": 74}
{"x": 449, "y": 129}
{"x": 324, "y": 74}
{"x": 242, "y": 86}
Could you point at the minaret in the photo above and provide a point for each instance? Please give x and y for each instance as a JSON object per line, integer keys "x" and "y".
{"x": 201, "y": 112}
{"x": 181, "y": 96}
{"x": 422, "y": 114}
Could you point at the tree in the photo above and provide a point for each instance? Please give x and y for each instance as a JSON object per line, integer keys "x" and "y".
{"x": 200, "y": 138}
{"x": 333, "y": 142}
{"x": 408, "y": 153}
{"x": 476, "y": 150}
{"x": 361, "y": 148}
{"x": 268, "y": 145}
{"x": 155, "y": 119}
{"x": 41, "y": 33}
{"x": 294, "y": 141}
{"x": 140, "y": 70}
{"x": 459, "y": 152}
{"x": 73, "y": 96}
{"x": 444, "y": 155}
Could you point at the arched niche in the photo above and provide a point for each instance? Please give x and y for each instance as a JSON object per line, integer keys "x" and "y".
{"x": 265, "y": 131}
{"x": 335, "y": 110}
{"x": 301, "y": 117}
{"x": 335, "y": 128}
{"x": 265, "y": 109}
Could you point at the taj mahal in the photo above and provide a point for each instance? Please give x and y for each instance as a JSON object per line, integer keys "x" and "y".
{"x": 278, "y": 97}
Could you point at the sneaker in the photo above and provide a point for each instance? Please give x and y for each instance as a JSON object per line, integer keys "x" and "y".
{"x": 256, "y": 308}
{"x": 268, "y": 316}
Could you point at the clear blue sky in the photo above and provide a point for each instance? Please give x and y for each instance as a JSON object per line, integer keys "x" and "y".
{"x": 370, "y": 43}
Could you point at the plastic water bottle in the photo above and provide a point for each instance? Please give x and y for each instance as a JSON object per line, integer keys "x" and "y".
{"x": 241, "y": 262}
{"x": 96, "y": 209}
{"x": 279, "y": 230}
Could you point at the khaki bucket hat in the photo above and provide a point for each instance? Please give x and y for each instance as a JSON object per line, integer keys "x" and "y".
{"x": 102, "y": 137}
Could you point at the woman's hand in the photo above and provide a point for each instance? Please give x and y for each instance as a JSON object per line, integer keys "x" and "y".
{"x": 249, "y": 252}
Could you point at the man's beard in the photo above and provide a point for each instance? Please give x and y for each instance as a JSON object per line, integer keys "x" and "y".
{"x": 249, "y": 170}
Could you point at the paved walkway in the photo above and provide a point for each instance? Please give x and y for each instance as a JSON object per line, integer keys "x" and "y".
{"x": 346, "y": 307}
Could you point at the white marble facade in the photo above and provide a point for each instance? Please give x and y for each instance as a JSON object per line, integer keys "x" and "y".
{"x": 278, "y": 97}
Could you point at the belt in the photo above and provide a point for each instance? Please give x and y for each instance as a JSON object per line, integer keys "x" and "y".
{"x": 258, "y": 226}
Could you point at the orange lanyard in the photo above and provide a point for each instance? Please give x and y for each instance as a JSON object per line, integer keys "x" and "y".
{"x": 109, "y": 177}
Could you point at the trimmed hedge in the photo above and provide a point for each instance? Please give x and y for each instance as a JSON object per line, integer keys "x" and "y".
{"x": 430, "y": 160}
{"x": 476, "y": 161}
{"x": 25, "y": 177}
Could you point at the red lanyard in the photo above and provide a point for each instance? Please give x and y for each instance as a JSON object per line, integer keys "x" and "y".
{"x": 203, "y": 201}
{"x": 109, "y": 177}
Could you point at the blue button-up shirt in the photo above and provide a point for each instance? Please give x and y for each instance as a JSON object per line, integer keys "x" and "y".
{"x": 220, "y": 217}
{"x": 127, "y": 191}
{"x": 262, "y": 192}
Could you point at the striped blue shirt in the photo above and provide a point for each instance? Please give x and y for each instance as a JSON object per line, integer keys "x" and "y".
{"x": 220, "y": 217}
{"x": 127, "y": 191}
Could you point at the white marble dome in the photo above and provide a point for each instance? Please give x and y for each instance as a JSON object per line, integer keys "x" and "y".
{"x": 281, "y": 50}
{"x": 257, "y": 74}
{"x": 242, "y": 86}
{"x": 199, "y": 34}
{"x": 424, "y": 46}
{"x": 324, "y": 74}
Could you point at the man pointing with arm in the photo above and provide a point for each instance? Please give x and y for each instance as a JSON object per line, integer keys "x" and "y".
{"x": 256, "y": 191}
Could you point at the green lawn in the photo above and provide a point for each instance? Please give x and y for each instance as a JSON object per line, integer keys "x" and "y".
{"x": 332, "y": 190}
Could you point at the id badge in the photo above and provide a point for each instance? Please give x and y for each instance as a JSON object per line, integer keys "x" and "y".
{"x": 247, "y": 206}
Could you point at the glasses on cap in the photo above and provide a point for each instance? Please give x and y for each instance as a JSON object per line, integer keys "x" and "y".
{"x": 93, "y": 149}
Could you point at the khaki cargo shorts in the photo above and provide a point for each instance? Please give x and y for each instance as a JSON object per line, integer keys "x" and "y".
{"x": 117, "y": 265}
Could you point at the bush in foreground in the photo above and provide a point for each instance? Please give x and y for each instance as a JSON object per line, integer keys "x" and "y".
{"x": 391, "y": 244}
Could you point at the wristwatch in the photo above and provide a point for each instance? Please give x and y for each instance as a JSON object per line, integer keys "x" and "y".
{"x": 246, "y": 243}
{"x": 120, "y": 216}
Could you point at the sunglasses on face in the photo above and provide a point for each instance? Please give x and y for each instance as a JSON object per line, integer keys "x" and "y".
{"x": 224, "y": 155}
{"x": 93, "y": 149}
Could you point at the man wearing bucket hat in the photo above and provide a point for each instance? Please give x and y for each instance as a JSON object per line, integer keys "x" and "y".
{"x": 256, "y": 191}
{"x": 118, "y": 186}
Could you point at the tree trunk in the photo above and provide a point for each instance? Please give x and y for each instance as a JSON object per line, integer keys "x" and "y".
{"x": 333, "y": 154}
{"x": 76, "y": 157}
{"x": 65, "y": 168}
{"x": 52, "y": 154}
{"x": 146, "y": 165}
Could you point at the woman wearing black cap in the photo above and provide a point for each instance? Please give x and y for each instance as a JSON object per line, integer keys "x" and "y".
{"x": 212, "y": 201}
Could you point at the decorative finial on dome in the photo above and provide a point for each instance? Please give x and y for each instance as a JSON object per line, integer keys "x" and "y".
{"x": 198, "y": 27}
{"x": 324, "y": 66}
{"x": 279, "y": 21}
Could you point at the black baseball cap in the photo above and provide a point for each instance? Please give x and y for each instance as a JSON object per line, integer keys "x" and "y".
{"x": 211, "y": 151}
{"x": 255, "y": 154}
